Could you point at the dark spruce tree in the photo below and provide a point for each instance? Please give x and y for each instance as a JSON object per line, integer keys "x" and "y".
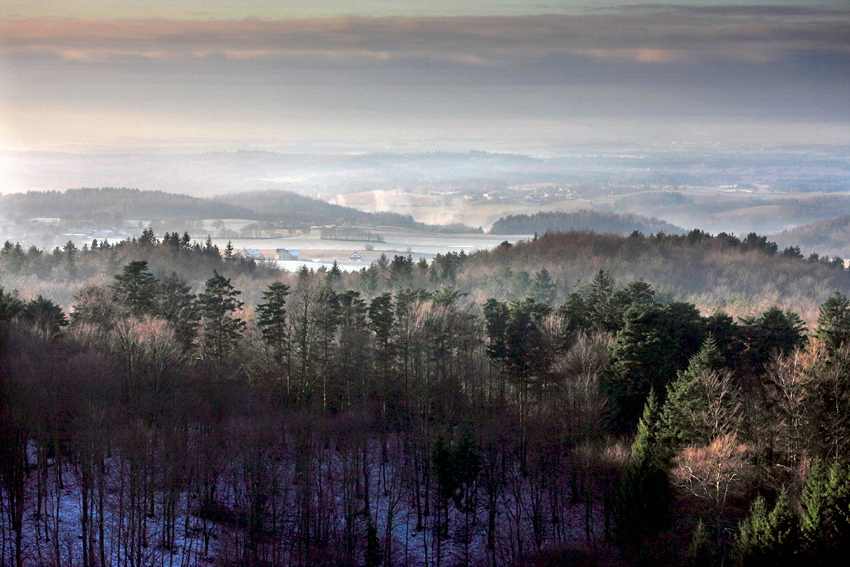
{"x": 273, "y": 321}
{"x": 134, "y": 288}
{"x": 834, "y": 321}
{"x": 222, "y": 330}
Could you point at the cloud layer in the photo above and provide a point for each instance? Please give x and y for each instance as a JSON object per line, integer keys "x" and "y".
{"x": 640, "y": 34}
{"x": 464, "y": 75}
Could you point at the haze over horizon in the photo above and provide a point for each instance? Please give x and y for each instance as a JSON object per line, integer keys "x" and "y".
{"x": 107, "y": 76}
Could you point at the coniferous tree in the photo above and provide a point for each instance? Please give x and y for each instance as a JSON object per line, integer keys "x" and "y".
{"x": 543, "y": 288}
{"x": 135, "y": 287}
{"x": 334, "y": 275}
{"x": 10, "y": 305}
{"x": 175, "y": 302}
{"x": 644, "y": 495}
{"x": 324, "y": 320}
{"x": 575, "y": 314}
{"x": 222, "y": 330}
{"x": 769, "y": 538}
{"x": 273, "y": 321}
{"x": 699, "y": 550}
{"x": 773, "y": 332}
{"x": 834, "y": 321}
{"x": 47, "y": 317}
{"x": 96, "y": 305}
{"x": 825, "y": 526}
{"x": 69, "y": 254}
{"x": 702, "y": 403}
{"x": 605, "y": 312}
{"x": 653, "y": 345}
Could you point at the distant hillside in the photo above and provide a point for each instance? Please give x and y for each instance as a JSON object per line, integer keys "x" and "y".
{"x": 274, "y": 205}
{"x": 271, "y": 206}
{"x": 830, "y": 236}
{"x": 90, "y": 204}
{"x": 582, "y": 220}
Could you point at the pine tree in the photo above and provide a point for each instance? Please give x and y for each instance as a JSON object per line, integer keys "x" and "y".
{"x": 826, "y": 514}
{"x": 221, "y": 329}
{"x": 334, "y": 275}
{"x": 699, "y": 550}
{"x": 134, "y": 288}
{"x": 273, "y": 321}
{"x": 813, "y": 501}
{"x": 10, "y": 305}
{"x": 769, "y": 538}
{"x": 575, "y": 313}
{"x": 543, "y": 288}
{"x": 324, "y": 321}
{"x": 653, "y": 345}
{"x": 702, "y": 403}
{"x": 645, "y": 494}
{"x": 69, "y": 253}
{"x": 175, "y": 302}
{"x": 47, "y": 317}
{"x": 834, "y": 321}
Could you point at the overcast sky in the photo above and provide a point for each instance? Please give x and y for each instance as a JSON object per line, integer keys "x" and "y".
{"x": 350, "y": 73}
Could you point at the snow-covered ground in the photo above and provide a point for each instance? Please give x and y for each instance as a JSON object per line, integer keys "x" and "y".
{"x": 260, "y": 504}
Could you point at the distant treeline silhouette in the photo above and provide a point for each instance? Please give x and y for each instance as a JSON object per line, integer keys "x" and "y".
{"x": 581, "y": 220}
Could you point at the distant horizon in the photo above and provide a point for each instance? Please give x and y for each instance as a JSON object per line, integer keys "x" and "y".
{"x": 499, "y": 75}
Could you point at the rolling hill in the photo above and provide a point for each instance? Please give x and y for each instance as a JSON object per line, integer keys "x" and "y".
{"x": 596, "y": 221}
{"x": 830, "y": 236}
{"x": 114, "y": 204}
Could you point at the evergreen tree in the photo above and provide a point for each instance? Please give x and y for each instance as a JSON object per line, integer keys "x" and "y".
{"x": 175, "y": 302}
{"x": 605, "y": 311}
{"x": 702, "y": 403}
{"x": 543, "y": 288}
{"x": 334, "y": 275}
{"x": 652, "y": 347}
{"x": 836, "y": 528}
{"x": 575, "y": 313}
{"x": 353, "y": 349}
{"x": 825, "y": 524}
{"x": 517, "y": 343}
{"x": 324, "y": 321}
{"x": 47, "y": 317}
{"x": 401, "y": 271}
{"x": 96, "y": 305}
{"x": 69, "y": 253}
{"x": 147, "y": 238}
{"x": 834, "y": 321}
{"x": 769, "y": 538}
{"x": 773, "y": 332}
{"x": 273, "y": 321}
{"x": 699, "y": 550}
{"x": 135, "y": 287}
{"x": 10, "y": 305}
{"x": 222, "y": 330}
{"x": 645, "y": 494}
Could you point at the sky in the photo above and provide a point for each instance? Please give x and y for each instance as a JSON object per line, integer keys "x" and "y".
{"x": 476, "y": 74}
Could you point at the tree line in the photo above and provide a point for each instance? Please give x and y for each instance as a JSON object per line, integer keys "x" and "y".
{"x": 619, "y": 223}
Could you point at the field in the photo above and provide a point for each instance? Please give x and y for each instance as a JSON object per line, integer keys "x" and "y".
{"x": 316, "y": 252}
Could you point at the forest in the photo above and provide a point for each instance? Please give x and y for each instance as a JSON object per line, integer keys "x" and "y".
{"x": 600, "y": 222}
{"x": 542, "y": 403}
